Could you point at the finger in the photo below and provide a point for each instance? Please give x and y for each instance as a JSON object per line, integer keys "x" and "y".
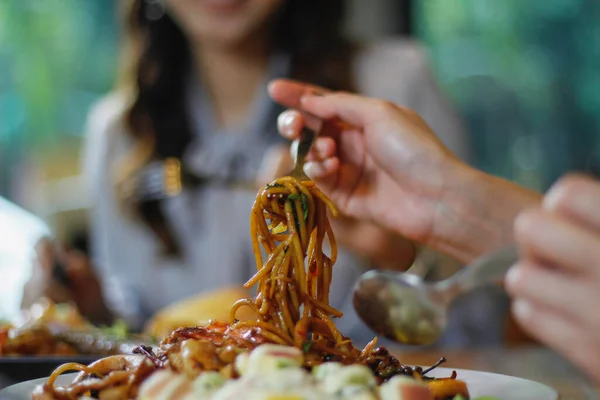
{"x": 288, "y": 92}
{"x": 290, "y": 123}
{"x": 323, "y": 172}
{"x": 558, "y": 332}
{"x": 576, "y": 196}
{"x": 567, "y": 295}
{"x": 322, "y": 149}
{"x": 558, "y": 241}
{"x": 353, "y": 109}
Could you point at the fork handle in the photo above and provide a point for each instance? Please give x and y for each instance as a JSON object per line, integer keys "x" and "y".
{"x": 307, "y": 137}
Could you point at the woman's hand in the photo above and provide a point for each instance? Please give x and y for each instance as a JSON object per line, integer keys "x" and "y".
{"x": 382, "y": 163}
{"x": 382, "y": 248}
{"x": 556, "y": 284}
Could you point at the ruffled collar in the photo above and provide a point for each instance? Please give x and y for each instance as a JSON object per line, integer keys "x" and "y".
{"x": 223, "y": 156}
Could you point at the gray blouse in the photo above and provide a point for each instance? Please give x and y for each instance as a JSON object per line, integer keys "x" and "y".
{"x": 212, "y": 222}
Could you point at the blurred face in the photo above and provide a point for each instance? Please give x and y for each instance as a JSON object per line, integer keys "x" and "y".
{"x": 221, "y": 22}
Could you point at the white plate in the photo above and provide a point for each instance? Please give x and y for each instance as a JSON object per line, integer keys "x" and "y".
{"x": 502, "y": 387}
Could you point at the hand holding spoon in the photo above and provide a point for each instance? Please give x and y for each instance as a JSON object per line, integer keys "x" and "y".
{"x": 404, "y": 308}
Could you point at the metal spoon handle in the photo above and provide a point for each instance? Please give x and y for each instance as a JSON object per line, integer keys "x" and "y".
{"x": 490, "y": 268}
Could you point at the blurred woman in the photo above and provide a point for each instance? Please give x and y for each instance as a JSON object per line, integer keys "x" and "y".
{"x": 174, "y": 153}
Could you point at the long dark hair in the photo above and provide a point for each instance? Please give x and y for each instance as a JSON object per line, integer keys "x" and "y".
{"x": 156, "y": 58}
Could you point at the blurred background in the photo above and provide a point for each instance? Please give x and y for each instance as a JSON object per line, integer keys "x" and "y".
{"x": 523, "y": 74}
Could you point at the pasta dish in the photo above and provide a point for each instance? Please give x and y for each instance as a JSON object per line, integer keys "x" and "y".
{"x": 292, "y": 350}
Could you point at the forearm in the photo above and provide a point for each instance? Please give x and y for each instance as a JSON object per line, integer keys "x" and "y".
{"x": 476, "y": 212}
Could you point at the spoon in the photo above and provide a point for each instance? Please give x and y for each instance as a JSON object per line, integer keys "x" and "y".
{"x": 404, "y": 308}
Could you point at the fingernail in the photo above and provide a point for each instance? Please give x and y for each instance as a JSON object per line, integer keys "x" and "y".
{"x": 522, "y": 309}
{"x": 513, "y": 276}
{"x": 286, "y": 121}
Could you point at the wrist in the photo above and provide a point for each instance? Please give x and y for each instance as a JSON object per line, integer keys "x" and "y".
{"x": 476, "y": 211}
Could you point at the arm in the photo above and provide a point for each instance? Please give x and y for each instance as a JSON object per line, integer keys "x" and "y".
{"x": 429, "y": 101}
{"x": 381, "y": 162}
{"x": 484, "y": 227}
{"x": 398, "y": 70}
{"x": 476, "y": 212}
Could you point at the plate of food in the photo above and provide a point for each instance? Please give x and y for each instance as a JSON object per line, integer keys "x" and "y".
{"x": 291, "y": 349}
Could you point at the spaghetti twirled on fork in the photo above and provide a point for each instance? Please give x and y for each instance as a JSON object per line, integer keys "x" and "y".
{"x": 289, "y": 222}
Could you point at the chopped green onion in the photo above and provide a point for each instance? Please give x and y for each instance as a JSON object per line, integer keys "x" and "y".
{"x": 306, "y": 346}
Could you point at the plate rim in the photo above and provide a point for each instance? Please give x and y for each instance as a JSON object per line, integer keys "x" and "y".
{"x": 550, "y": 389}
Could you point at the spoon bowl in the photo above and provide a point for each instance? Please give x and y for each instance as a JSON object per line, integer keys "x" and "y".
{"x": 400, "y": 307}
{"x": 404, "y": 308}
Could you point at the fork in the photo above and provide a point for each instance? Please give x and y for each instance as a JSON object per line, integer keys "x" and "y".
{"x": 307, "y": 137}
